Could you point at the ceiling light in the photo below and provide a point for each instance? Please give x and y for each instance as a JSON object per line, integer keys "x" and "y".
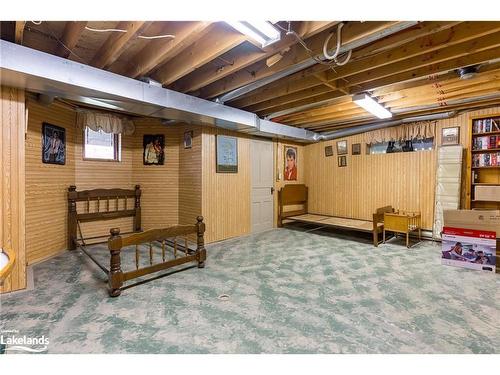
{"x": 261, "y": 31}
{"x": 371, "y": 105}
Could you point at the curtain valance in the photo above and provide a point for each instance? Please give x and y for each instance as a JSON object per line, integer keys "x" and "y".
{"x": 107, "y": 122}
{"x": 420, "y": 129}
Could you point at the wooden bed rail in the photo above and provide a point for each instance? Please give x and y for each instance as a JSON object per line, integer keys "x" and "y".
{"x": 108, "y": 207}
{"x": 117, "y": 277}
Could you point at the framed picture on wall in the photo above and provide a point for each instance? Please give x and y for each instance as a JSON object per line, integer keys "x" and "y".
{"x": 328, "y": 151}
{"x": 450, "y": 136}
{"x": 226, "y": 154}
{"x": 342, "y": 160}
{"x": 342, "y": 147}
{"x": 356, "y": 148}
{"x": 53, "y": 144}
{"x": 290, "y": 168}
{"x": 188, "y": 139}
{"x": 154, "y": 149}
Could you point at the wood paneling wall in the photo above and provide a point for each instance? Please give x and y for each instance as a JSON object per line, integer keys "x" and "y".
{"x": 403, "y": 180}
{"x": 190, "y": 176}
{"x": 225, "y": 196}
{"x": 12, "y": 184}
{"x": 159, "y": 183}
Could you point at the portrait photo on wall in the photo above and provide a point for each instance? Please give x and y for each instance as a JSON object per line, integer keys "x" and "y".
{"x": 154, "y": 149}
{"x": 226, "y": 154}
{"x": 356, "y": 148}
{"x": 328, "y": 151}
{"x": 188, "y": 139}
{"x": 53, "y": 144}
{"x": 290, "y": 154}
{"x": 341, "y": 147}
{"x": 450, "y": 136}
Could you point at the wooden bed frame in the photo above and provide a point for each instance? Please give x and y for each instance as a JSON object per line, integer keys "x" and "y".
{"x": 297, "y": 195}
{"x": 166, "y": 237}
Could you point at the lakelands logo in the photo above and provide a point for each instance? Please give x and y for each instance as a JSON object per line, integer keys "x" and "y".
{"x": 12, "y": 341}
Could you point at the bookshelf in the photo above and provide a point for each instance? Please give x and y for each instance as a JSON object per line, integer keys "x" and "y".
{"x": 484, "y": 168}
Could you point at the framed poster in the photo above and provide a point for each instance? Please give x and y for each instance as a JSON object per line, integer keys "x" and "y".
{"x": 154, "y": 149}
{"x": 342, "y": 147}
{"x": 328, "y": 151}
{"x": 53, "y": 144}
{"x": 226, "y": 154}
{"x": 342, "y": 161}
{"x": 356, "y": 148}
{"x": 188, "y": 139}
{"x": 290, "y": 168}
{"x": 450, "y": 136}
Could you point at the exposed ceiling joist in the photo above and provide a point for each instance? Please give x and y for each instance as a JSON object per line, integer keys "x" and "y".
{"x": 211, "y": 45}
{"x": 159, "y": 51}
{"x": 19, "y": 32}
{"x": 115, "y": 44}
{"x": 72, "y": 32}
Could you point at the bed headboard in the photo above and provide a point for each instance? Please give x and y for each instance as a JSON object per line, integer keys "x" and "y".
{"x": 108, "y": 207}
{"x": 292, "y": 194}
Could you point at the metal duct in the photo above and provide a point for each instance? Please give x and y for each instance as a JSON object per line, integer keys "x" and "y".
{"x": 310, "y": 62}
{"x": 369, "y": 127}
{"x": 42, "y": 73}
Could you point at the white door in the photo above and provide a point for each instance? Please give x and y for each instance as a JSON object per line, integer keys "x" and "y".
{"x": 261, "y": 153}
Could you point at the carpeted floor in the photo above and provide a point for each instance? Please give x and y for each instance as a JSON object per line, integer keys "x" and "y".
{"x": 289, "y": 292}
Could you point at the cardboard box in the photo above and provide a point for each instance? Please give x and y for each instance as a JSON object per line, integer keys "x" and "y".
{"x": 473, "y": 219}
{"x": 487, "y": 193}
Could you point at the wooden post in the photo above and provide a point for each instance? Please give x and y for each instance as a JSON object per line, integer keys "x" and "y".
{"x": 200, "y": 242}
{"x": 115, "y": 276}
{"x": 137, "y": 217}
{"x": 72, "y": 217}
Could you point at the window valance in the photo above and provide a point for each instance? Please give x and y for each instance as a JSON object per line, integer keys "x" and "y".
{"x": 107, "y": 122}
{"x": 420, "y": 129}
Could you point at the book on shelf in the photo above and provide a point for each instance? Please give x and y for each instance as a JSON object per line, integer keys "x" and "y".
{"x": 486, "y": 160}
{"x": 486, "y": 142}
{"x": 485, "y": 125}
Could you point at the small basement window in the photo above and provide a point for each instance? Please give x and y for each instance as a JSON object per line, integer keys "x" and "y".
{"x": 98, "y": 145}
{"x": 402, "y": 146}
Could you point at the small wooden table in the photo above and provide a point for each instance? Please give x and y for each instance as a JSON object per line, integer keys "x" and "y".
{"x": 403, "y": 222}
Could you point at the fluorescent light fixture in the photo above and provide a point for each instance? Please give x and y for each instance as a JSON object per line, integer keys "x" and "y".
{"x": 261, "y": 31}
{"x": 371, "y": 105}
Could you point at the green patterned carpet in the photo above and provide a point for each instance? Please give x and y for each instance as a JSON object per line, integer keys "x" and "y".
{"x": 289, "y": 292}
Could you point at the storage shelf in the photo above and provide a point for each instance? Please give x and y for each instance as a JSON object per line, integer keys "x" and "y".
{"x": 485, "y": 200}
{"x": 495, "y": 167}
{"x": 486, "y": 150}
{"x": 485, "y": 134}
{"x": 486, "y": 184}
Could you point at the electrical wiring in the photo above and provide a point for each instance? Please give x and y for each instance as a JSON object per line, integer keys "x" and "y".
{"x": 156, "y": 36}
{"x": 105, "y": 30}
{"x": 339, "y": 43}
{"x": 38, "y": 23}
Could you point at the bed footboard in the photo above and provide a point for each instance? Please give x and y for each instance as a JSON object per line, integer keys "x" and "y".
{"x": 116, "y": 277}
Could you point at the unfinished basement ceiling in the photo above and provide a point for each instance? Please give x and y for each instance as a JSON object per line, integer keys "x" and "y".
{"x": 408, "y": 66}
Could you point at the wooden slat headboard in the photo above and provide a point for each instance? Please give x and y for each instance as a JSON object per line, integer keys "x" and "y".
{"x": 293, "y": 194}
{"x": 104, "y": 197}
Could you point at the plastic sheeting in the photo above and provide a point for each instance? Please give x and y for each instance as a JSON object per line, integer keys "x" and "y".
{"x": 448, "y": 184}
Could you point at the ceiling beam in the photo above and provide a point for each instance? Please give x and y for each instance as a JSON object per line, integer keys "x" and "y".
{"x": 71, "y": 34}
{"x": 351, "y": 32}
{"x": 211, "y": 73}
{"x": 115, "y": 44}
{"x": 212, "y": 44}
{"x": 19, "y": 32}
{"x": 159, "y": 51}
{"x": 359, "y": 63}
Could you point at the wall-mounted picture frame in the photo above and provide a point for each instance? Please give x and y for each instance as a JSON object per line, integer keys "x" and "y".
{"x": 328, "y": 151}
{"x": 342, "y": 147}
{"x": 53, "y": 144}
{"x": 450, "y": 136}
{"x": 226, "y": 154}
{"x": 188, "y": 139}
{"x": 153, "y": 149}
{"x": 356, "y": 148}
{"x": 291, "y": 158}
{"x": 342, "y": 161}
